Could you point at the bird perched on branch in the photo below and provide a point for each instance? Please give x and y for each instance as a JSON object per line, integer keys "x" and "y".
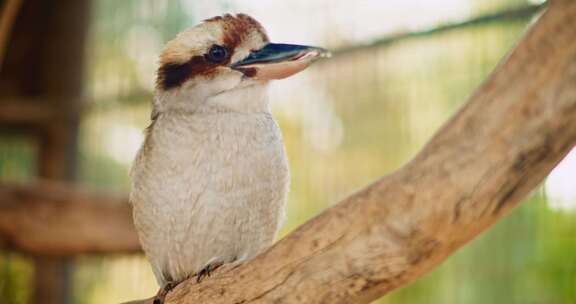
{"x": 210, "y": 181}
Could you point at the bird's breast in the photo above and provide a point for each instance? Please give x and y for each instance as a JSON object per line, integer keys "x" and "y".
{"x": 222, "y": 172}
{"x": 211, "y": 189}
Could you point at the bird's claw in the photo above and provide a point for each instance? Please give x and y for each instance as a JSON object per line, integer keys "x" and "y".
{"x": 207, "y": 271}
{"x": 161, "y": 295}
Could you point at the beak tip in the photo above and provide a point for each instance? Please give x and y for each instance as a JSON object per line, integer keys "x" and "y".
{"x": 318, "y": 53}
{"x": 324, "y": 53}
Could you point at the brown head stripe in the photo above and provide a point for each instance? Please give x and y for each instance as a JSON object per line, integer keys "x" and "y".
{"x": 236, "y": 26}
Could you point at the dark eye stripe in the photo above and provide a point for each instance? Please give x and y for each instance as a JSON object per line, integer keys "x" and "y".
{"x": 172, "y": 75}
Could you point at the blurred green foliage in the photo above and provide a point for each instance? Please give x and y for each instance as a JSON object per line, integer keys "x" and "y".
{"x": 17, "y": 164}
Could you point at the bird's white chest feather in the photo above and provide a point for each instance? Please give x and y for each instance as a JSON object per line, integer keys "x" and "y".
{"x": 208, "y": 187}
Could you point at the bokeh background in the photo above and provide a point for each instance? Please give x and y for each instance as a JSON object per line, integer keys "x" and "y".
{"x": 401, "y": 68}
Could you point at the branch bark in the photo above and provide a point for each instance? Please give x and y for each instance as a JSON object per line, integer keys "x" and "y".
{"x": 512, "y": 132}
{"x": 53, "y": 219}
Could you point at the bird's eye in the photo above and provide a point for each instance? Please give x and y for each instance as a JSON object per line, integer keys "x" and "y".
{"x": 217, "y": 54}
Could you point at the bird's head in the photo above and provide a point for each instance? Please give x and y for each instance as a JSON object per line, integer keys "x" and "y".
{"x": 221, "y": 57}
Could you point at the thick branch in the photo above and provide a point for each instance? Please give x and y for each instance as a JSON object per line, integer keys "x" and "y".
{"x": 53, "y": 219}
{"x": 479, "y": 166}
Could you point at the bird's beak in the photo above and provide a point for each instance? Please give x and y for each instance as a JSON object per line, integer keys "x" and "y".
{"x": 277, "y": 61}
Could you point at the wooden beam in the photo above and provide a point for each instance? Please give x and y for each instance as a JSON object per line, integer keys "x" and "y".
{"x": 55, "y": 219}
{"x": 30, "y": 113}
{"x": 518, "y": 125}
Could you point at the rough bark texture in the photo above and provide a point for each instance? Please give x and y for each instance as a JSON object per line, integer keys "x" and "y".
{"x": 53, "y": 219}
{"x": 511, "y": 133}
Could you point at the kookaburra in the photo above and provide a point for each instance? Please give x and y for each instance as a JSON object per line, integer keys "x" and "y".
{"x": 210, "y": 182}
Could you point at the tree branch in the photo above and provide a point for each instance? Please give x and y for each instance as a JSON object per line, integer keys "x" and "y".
{"x": 510, "y": 134}
{"x": 514, "y": 13}
{"x": 52, "y": 219}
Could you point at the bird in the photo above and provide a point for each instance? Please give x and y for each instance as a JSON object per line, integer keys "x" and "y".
{"x": 210, "y": 181}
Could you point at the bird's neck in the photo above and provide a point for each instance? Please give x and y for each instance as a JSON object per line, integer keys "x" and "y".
{"x": 249, "y": 99}
{"x": 232, "y": 110}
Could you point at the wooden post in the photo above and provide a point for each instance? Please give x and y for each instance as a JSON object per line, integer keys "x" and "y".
{"x": 44, "y": 62}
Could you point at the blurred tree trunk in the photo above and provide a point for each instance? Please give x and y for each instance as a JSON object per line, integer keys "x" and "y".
{"x": 9, "y": 9}
{"x": 44, "y": 65}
